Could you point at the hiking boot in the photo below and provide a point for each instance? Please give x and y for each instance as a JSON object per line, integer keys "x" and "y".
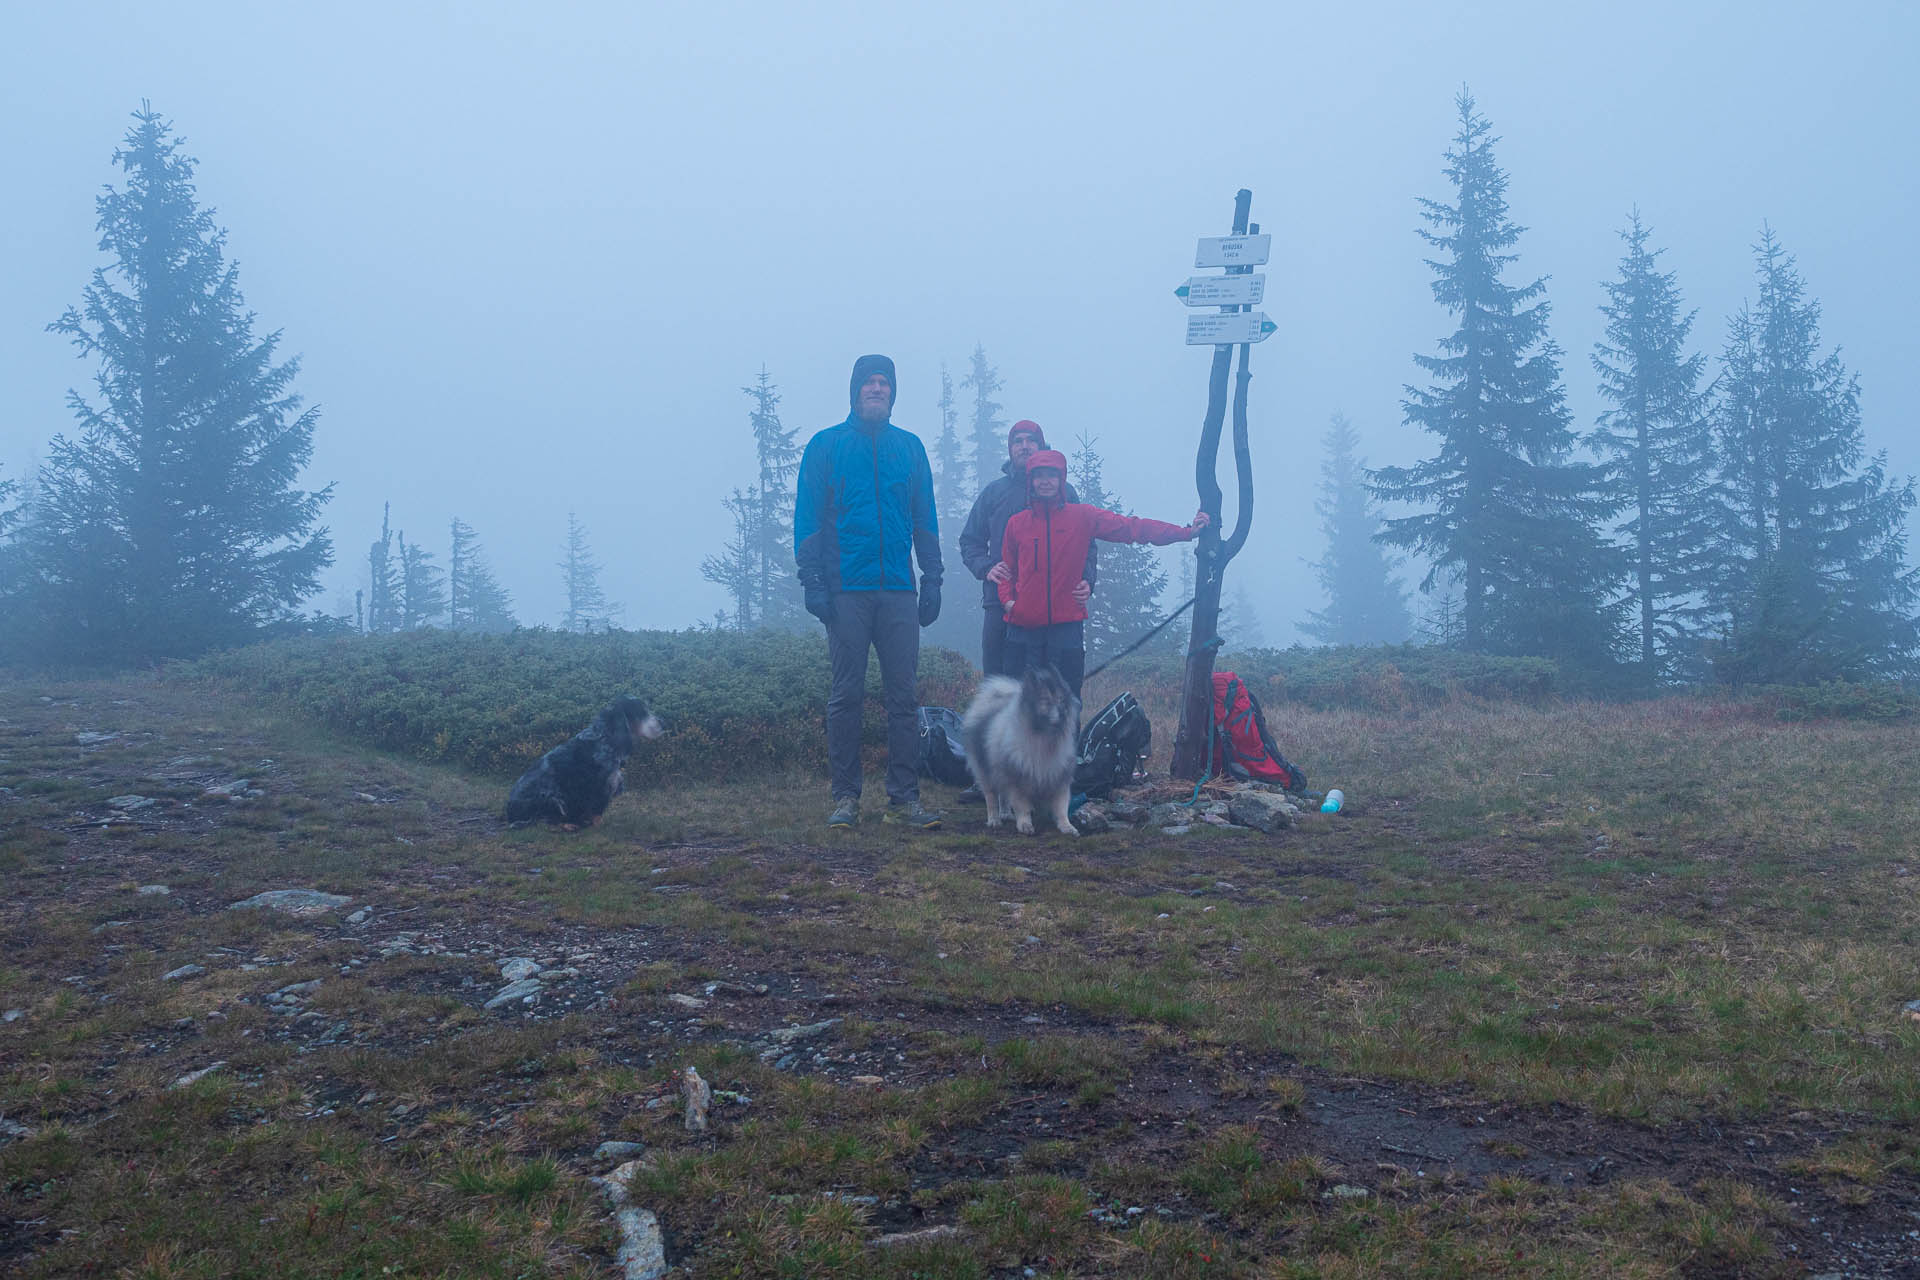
{"x": 971, "y": 795}
{"x": 913, "y": 815}
{"x": 845, "y": 813}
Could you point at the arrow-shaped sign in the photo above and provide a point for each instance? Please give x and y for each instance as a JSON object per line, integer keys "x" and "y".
{"x": 1228, "y": 328}
{"x": 1223, "y": 291}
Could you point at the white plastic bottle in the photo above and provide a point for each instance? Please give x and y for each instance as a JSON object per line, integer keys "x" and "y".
{"x": 1335, "y": 798}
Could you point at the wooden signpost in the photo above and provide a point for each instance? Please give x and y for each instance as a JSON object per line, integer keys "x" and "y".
{"x": 1236, "y": 323}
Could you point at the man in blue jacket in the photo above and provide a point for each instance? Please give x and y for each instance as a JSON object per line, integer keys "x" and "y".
{"x": 862, "y": 514}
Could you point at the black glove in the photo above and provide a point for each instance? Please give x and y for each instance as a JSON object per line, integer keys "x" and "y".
{"x": 929, "y": 602}
{"x": 820, "y": 604}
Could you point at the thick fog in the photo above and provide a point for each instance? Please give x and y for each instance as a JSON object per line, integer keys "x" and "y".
{"x": 529, "y": 255}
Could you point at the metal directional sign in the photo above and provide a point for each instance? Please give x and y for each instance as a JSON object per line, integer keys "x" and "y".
{"x": 1223, "y": 291}
{"x": 1233, "y": 251}
{"x": 1226, "y": 328}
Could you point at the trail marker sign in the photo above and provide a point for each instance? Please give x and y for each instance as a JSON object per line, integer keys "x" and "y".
{"x": 1233, "y": 251}
{"x": 1223, "y": 291}
{"x": 1227, "y": 328}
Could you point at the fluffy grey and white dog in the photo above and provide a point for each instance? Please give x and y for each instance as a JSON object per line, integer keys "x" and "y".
{"x": 1019, "y": 739}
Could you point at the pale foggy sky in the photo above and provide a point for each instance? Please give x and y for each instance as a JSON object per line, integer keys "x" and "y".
{"x": 529, "y": 257}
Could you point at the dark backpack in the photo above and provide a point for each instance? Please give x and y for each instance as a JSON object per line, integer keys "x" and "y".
{"x": 1242, "y": 747}
{"x": 942, "y": 757}
{"x": 1113, "y": 747}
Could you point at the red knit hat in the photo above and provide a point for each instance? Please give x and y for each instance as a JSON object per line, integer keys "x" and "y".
{"x": 1026, "y": 426}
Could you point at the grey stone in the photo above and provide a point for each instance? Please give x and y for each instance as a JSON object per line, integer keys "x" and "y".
{"x": 295, "y": 989}
{"x": 1092, "y": 819}
{"x": 686, "y": 1001}
{"x": 361, "y": 916}
{"x": 724, "y": 988}
{"x": 297, "y": 902}
{"x": 1262, "y": 810}
{"x": 515, "y": 968}
{"x": 1347, "y": 1191}
{"x": 926, "y": 1235}
{"x": 1179, "y": 829}
{"x": 643, "y": 1254}
{"x": 618, "y": 1150}
{"x": 153, "y": 891}
{"x": 184, "y": 971}
{"x": 131, "y": 804}
{"x": 1168, "y": 814}
{"x": 514, "y": 991}
{"x": 13, "y": 1015}
{"x": 787, "y": 1035}
{"x": 193, "y": 1077}
{"x": 13, "y": 1129}
{"x": 699, "y": 1098}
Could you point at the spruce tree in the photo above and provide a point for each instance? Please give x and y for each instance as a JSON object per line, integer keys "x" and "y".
{"x": 1815, "y": 583}
{"x": 475, "y": 599}
{"x": 1127, "y": 604}
{"x": 383, "y": 579}
{"x": 776, "y": 593}
{"x": 1240, "y": 622}
{"x": 179, "y": 487}
{"x": 1366, "y": 604}
{"x": 988, "y": 430}
{"x": 1659, "y": 436}
{"x": 951, "y": 499}
{"x": 1506, "y": 504}
{"x": 587, "y": 605}
{"x": 736, "y": 569}
{"x": 423, "y": 595}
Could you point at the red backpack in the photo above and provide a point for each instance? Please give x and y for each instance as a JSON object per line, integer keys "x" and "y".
{"x": 1242, "y": 747}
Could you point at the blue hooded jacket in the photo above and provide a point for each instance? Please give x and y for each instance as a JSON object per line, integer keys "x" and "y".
{"x": 864, "y": 503}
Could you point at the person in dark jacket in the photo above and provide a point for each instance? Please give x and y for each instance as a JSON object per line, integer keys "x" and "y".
{"x": 863, "y": 513}
{"x": 986, "y": 526}
{"x": 1043, "y": 549}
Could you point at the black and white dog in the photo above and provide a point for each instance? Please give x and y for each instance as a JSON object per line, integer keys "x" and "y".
{"x": 575, "y": 782}
{"x": 1019, "y": 740}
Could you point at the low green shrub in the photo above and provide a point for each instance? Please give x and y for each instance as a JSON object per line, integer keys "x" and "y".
{"x": 734, "y": 704}
{"x": 1882, "y": 702}
{"x": 1383, "y": 678}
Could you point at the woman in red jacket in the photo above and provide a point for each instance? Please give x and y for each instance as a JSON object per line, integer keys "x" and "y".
{"x": 1045, "y": 622}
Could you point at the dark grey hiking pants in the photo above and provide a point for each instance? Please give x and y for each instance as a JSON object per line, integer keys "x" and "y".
{"x": 889, "y": 623}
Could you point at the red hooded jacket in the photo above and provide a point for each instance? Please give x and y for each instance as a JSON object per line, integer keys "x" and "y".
{"x": 1054, "y": 533}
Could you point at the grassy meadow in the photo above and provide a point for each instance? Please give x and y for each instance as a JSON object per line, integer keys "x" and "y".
{"x": 1570, "y": 989}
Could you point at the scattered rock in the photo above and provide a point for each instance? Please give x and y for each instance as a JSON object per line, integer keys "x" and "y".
{"x": 91, "y": 739}
{"x": 238, "y": 789}
{"x": 13, "y": 1015}
{"x": 1347, "y": 1191}
{"x": 193, "y": 1076}
{"x": 1179, "y": 829}
{"x": 295, "y": 989}
{"x": 1131, "y": 812}
{"x": 153, "y": 891}
{"x": 514, "y": 991}
{"x": 643, "y": 1254}
{"x": 296, "y": 902}
{"x": 868, "y": 1081}
{"x": 184, "y": 971}
{"x": 1225, "y": 886}
{"x": 699, "y": 1097}
{"x": 1912, "y": 1010}
{"x": 366, "y": 798}
{"x": 735, "y": 988}
{"x": 618, "y": 1150}
{"x": 11, "y": 1129}
{"x": 518, "y": 967}
{"x": 926, "y": 1235}
{"x": 1091, "y": 819}
{"x": 361, "y": 916}
{"x": 131, "y": 804}
{"x": 1262, "y": 810}
{"x": 1168, "y": 814}
{"x": 787, "y": 1035}
{"x": 686, "y": 1001}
